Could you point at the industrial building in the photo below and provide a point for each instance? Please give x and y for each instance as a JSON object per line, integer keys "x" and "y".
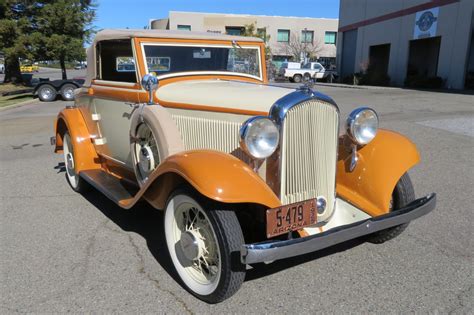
{"x": 318, "y": 32}
{"x": 408, "y": 40}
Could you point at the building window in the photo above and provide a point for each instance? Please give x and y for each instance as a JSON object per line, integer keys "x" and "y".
{"x": 307, "y": 36}
{"x": 262, "y": 33}
{"x": 234, "y": 30}
{"x": 184, "y": 27}
{"x": 330, "y": 38}
{"x": 283, "y": 36}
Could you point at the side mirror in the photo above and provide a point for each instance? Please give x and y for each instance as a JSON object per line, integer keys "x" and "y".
{"x": 150, "y": 84}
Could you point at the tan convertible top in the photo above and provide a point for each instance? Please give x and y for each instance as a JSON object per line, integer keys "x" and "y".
{"x": 109, "y": 34}
{"x": 127, "y": 33}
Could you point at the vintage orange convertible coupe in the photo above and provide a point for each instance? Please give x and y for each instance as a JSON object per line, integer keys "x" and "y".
{"x": 245, "y": 172}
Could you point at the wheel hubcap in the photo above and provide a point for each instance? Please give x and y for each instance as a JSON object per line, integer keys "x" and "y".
{"x": 146, "y": 162}
{"x": 190, "y": 245}
{"x": 46, "y": 93}
{"x": 68, "y": 93}
{"x": 198, "y": 245}
{"x": 70, "y": 161}
{"x": 146, "y": 152}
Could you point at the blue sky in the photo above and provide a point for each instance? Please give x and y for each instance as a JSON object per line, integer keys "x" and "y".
{"x": 137, "y": 13}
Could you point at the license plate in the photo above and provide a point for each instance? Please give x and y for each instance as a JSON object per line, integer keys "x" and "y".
{"x": 291, "y": 217}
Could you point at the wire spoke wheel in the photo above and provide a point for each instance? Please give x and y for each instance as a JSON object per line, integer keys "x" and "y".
{"x": 198, "y": 247}
{"x": 146, "y": 152}
{"x": 200, "y": 242}
{"x": 74, "y": 180}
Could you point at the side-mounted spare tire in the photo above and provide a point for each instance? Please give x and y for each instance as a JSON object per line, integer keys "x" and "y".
{"x": 153, "y": 137}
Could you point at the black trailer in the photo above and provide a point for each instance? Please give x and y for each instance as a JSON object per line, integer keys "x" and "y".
{"x": 48, "y": 91}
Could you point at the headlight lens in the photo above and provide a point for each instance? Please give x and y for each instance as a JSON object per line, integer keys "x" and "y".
{"x": 259, "y": 137}
{"x": 362, "y": 125}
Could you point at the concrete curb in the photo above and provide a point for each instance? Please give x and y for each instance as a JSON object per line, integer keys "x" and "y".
{"x": 18, "y": 104}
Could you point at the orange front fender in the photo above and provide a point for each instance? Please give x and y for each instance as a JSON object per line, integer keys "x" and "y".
{"x": 85, "y": 156}
{"x": 216, "y": 175}
{"x": 381, "y": 164}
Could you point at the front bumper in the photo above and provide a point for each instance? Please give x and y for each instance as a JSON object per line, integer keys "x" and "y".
{"x": 274, "y": 250}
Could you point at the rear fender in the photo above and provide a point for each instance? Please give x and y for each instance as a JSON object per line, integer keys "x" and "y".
{"x": 380, "y": 165}
{"x": 85, "y": 156}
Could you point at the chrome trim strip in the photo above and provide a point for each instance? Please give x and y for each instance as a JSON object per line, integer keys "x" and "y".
{"x": 177, "y": 74}
{"x": 274, "y": 250}
{"x": 280, "y": 108}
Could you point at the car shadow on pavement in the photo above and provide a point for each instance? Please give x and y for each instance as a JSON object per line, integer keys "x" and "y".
{"x": 263, "y": 270}
{"x": 142, "y": 219}
{"x": 146, "y": 221}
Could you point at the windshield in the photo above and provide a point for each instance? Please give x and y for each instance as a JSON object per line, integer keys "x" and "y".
{"x": 174, "y": 59}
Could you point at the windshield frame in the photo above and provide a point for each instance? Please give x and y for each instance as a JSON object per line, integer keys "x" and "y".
{"x": 204, "y": 45}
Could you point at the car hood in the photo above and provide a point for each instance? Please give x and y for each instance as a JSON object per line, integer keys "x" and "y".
{"x": 223, "y": 94}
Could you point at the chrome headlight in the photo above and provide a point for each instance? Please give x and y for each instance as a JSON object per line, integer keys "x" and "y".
{"x": 259, "y": 137}
{"x": 362, "y": 125}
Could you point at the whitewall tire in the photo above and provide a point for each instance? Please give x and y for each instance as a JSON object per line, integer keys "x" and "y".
{"x": 74, "y": 180}
{"x": 204, "y": 245}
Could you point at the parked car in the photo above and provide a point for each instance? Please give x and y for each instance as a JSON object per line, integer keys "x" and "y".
{"x": 28, "y": 68}
{"x": 287, "y": 65}
{"x": 48, "y": 91}
{"x": 2, "y": 68}
{"x": 244, "y": 172}
{"x": 80, "y": 66}
{"x": 311, "y": 70}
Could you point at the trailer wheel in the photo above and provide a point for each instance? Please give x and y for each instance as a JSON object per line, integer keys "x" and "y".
{"x": 47, "y": 93}
{"x": 67, "y": 91}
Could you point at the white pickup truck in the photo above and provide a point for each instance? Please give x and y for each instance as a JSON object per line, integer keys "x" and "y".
{"x": 310, "y": 70}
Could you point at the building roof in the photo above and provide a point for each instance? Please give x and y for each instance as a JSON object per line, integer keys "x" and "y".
{"x": 130, "y": 33}
{"x": 252, "y": 15}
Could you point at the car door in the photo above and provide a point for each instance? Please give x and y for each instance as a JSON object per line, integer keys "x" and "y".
{"x": 115, "y": 91}
{"x": 319, "y": 71}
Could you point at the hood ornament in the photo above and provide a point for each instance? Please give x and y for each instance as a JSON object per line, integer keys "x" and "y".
{"x": 307, "y": 86}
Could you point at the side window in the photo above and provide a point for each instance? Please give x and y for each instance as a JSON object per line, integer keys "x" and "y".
{"x": 318, "y": 67}
{"x": 116, "y": 61}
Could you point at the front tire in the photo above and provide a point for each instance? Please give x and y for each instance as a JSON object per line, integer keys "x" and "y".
{"x": 74, "y": 180}
{"x": 403, "y": 194}
{"x": 204, "y": 245}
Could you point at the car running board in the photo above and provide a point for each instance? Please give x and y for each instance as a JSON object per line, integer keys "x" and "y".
{"x": 118, "y": 190}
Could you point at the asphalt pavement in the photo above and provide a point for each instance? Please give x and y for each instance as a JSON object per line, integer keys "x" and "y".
{"x": 65, "y": 252}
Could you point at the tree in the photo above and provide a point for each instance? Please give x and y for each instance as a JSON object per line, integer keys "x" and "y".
{"x": 62, "y": 29}
{"x": 301, "y": 49}
{"x": 252, "y": 31}
{"x": 16, "y": 24}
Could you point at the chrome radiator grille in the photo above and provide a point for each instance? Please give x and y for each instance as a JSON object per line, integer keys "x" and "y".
{"x": 309, "y": 153}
